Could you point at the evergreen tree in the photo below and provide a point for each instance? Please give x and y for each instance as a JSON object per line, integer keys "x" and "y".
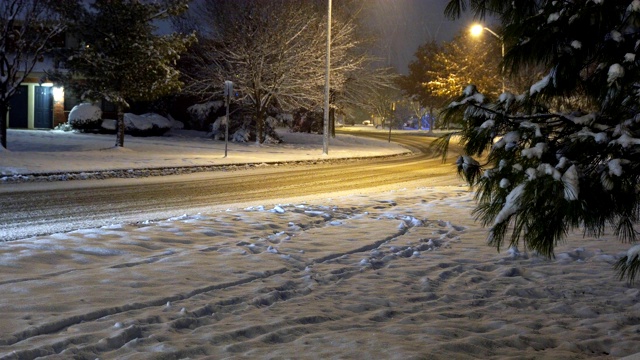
{"x": 565, "y": 154}
{"x": 122, "y": 57}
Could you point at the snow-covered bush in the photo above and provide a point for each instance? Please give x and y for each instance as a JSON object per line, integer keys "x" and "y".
{"x": 109, "y": 125}
{"x": 307, "y": 121}
{"x": 175, "y": 124}
{"x": 284, "y": 119}
{"x": 64, "y": 127}
{"x": 243, "y": 130}
{"x": 202, "y": 115}
{"x": 146, "y": 125}
{"x": 85, "y": 117}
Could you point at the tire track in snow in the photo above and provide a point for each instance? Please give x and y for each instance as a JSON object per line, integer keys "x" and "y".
{"x": 297, "y": 288}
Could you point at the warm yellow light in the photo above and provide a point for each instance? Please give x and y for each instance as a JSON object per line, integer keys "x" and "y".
{"x": 58, "y": 93}
{"x": 476, "y": 30}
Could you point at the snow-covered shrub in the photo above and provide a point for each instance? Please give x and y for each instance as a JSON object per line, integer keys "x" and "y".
{"x": 272, "y": 122}
{"x": 64, "y": 127}
{"x": 202, "y": 115}
{"x": 240, "y": 135}
{"x": 284, "y": 119}
{"x": 307, "y": 121}
{"x": 146, "y": 125}
{"x": 175, "y": 124}
{"x": 85, "y": 117}
{"x": 109, "y": 125}
{"x": 242, "y": 130}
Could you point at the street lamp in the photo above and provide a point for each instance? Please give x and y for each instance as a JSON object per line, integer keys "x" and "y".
{"x": 476, "y": 30}
{"x": 228, "y": 90}
{"x": 325, "y": 135}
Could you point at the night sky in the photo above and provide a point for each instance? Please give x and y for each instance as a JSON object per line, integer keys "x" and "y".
{"x": 406, "y": 24}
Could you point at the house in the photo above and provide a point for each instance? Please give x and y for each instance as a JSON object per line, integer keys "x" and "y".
{"x": 41, "y": 104}
{"x": 37, "y": 103}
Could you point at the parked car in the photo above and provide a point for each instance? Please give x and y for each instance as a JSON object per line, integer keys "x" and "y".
{"x": 366, "y": 122}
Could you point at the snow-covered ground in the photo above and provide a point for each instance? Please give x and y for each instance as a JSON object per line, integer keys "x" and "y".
{"x": 403, "y": 273}
{"x": 37, "y": 151}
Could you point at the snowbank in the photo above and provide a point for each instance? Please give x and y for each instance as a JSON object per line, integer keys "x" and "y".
{"x": 146, "y": 124}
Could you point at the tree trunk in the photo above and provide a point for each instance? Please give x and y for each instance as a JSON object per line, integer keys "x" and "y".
{"x": 120, "y": 127}
{"x": 332, "y": 122}
{"x": 260, "y": 126}
{"x": 4, "y": 110}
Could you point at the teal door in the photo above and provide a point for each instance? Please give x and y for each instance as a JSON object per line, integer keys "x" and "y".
{"x": 43, "y": 107}
{"x": 18, "y": 113}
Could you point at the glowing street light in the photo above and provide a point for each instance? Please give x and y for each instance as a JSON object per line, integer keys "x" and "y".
{"x": 477, "y": 29}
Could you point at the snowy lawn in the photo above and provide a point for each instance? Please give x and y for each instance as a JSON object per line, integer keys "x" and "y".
{"x": 40, "y": 151}
{"x": 395, "y": 274}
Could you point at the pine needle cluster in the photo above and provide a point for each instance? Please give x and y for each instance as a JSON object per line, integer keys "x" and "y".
{"x": 563, "y": 154}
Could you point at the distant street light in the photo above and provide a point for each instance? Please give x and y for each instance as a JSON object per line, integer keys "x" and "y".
{"x": 476, "y": 30}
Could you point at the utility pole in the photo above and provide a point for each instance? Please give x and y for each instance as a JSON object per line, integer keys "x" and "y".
{"x": 391, "y": 117}
{"x": 228, "y": 89}
{"x": 325, "y": 137}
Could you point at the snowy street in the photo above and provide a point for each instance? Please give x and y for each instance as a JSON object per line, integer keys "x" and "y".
{"x": 47, "y": 196}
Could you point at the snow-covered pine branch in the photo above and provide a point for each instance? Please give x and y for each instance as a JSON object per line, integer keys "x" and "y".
{"x": 565, "y": 153}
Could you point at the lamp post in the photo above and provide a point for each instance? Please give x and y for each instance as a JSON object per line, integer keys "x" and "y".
{"x": 391, "y": 116}
{"x": 228, "y": 89}
{"x": 325, "y": 135}
{"x": 477, "y": 29}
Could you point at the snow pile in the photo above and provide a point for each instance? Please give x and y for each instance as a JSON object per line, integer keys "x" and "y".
{"x": 85, "y": 116}
{"x": 146, "y": 124}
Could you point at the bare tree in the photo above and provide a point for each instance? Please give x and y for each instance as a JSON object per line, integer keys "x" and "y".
{"x": 373, "y": 91}
{"x": 273, "y": 51}
{"x": 27, "y": 28}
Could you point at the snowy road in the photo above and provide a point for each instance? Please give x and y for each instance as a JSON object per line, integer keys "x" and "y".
{"x": 37, "y": 209}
